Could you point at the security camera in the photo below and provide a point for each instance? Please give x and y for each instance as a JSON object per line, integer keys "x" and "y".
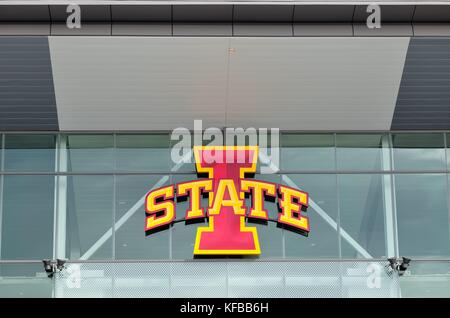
{"x": 60, "y": 263}
{"x": 404, "y": 264}
{"x": 49, "y": 267}
{"x": 393, "y": 263}
{"x": 400, "y": 265}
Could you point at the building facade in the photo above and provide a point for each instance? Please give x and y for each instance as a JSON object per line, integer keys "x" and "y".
{"x": 361, "y": 123}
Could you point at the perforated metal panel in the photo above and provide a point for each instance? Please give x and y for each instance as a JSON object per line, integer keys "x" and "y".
{"x": 235, "y": 279}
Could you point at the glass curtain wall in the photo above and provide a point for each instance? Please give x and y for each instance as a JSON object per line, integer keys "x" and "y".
{"x": 80, "y": 196}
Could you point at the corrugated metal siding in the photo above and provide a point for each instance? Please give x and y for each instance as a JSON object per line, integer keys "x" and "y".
{"x": 27, "y": 98}
{"x": 424, "y": 97}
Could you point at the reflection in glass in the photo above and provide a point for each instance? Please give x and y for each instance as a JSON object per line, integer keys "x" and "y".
{"x": 142, "y": 152}
{"x": 359, "y": 152}
{"x": 362, "y": 214}
{"x": 307, "y": 152}
{"x": 30, "y": 152}
{"x": 90, "y": 152}
{"x": 422, "y": 215}
{"x": 322, "y": 241}
{"x": 418, "y": 151}
{"x": 27, "y": 225}
{"x": 130, "y": 239}
{"x": 89, "y": 216}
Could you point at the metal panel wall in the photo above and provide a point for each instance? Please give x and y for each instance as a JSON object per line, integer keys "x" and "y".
{"x": 424, "y": 96}
{"x": 27, "y": 99}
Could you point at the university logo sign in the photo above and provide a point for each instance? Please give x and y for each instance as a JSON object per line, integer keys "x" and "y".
{"x": 227, "y": 169}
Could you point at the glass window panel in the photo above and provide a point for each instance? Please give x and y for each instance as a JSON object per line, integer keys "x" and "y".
{"x": 269, "y": 160}
{"x": 250, "y": 137}
{"x": 362, "y": 214}
{"x": 270, "y": 237}
{"x": 183, "y": 234}
{"x": 307, "y": 152}
{"x": 269, "y": 156}
{"x": 30, "y": 152}
{"x": 426, "y": 279}
{"x": 143, "y": 152}
{"x": 269, "y": 234}
{"x": 183, "y": 237}
{"x": 24, "y": 281}
{"x": 130, "y": 239}
{"x": 89, "y": 216}
{"x": 181, "y": 157}
{"x": 359, "y": 152}
{"x": 90, "y": 152}
{"x": 27, "y": 225}
{"x": 190, "y": 165}
{"x": 418, "y": 151}
{"x": 322, "y": 241}
{"x": 422, "y": 215}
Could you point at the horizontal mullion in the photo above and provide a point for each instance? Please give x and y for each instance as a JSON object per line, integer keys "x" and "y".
{"x": 149, "y": 173}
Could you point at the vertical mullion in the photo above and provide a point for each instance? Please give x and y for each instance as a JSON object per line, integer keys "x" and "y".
{"x": 171, "y": 226}
{"x": 280, "y": 180}
{"x": 337, "y": 197}
{"x": 56, "y": 242}
{"x": 338, "y": 221}
{"x": 389, "y": 197}
{"x": 60, "y": 198}
{"x": 446, "y": 179}
{"x": 3, "y": 153}
{"x": 113, "y": 218}
{"x": 445, "y": 153}
{"x": 394, "y": 200}
{"x": 2, "y": 168}
{"x": 170, "y": 163}
{"x": 114, "y": 203}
